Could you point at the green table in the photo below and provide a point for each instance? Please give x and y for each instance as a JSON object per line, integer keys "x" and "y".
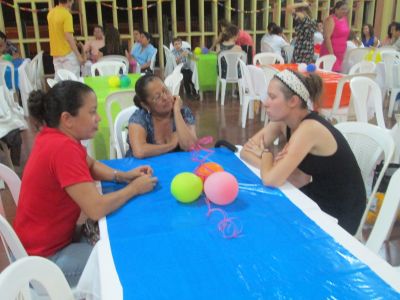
{"x": 207, "y": 71}
{"x": 102, "y": 89}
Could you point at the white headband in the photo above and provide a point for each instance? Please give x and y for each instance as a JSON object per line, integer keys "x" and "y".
{"x": 293, "y": 82}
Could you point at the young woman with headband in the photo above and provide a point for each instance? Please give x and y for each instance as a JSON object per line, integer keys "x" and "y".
{"x": 316, "y": 157}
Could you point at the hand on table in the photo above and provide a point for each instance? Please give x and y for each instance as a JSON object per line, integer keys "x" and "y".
{"x": 135, "y": 173}
{"x": 144, "y": 184}
{"x": 255, "y": 148}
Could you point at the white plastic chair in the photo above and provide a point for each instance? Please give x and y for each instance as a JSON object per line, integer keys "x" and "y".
{"x": 13, "y": 245}
{"x": 363, "y": 67}
{"x": 327, "y": 60}
{"x": 267, "y": 58}
{"x": 153, "y": 61}
{"x": 124, "y": 99}
{"x": 63, "y": 74}
{"x": 353, "y": 57}
{"x": 362, "y": 89}
{"x": 3, "y": 67}
{"x": 36, "y": 71}
{"x": 17, "y": 277}
{"x": 51, "y": 82}
{"x": 105, "y": 68}
{"x": 390, "y": 59}
{"x": 170, "y": 63}
{"x": 395, "y": 132}
{"x": 289, "y": 53}
{"x": 120, "y": 130}
{"x": 118, "y": 58}
{"x": 173, "y": 83}
{"x": 12, "y": 180}
{"x": 232, "y": 76}
{"x": 249, "y": 92}
{"x": 369, "y": 144}
{"x": 337, "y": 112}
{"x": 387, "y": 215}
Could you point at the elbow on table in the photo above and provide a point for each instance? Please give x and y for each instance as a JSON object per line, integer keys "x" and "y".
{"x": 138, "y": 153}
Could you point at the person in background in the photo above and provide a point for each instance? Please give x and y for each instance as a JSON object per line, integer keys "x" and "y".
{"x": 6, "y": 47}
{"x": 336, "y": 32}
{"x": 143, "y": 52}
{"x": 59, "y": 178}
{"x": 315, "y": 151}
{"x": 275, "y": 40}
{"x": 228, "y": 43}
{"x": 396, "y": 37}
{"x": 112, "y": 43}
{"x": 367, "y": 36}
{"x": 243, "y": 39}
{"x": 136, "y": 43}
{"x": 63, "y": 48}
{"x": 318, "y": 34}
{"x": 161, "y": 124}
{"x": 388, "y": 41}
{"x": 182, "y": 56}
{"x": 93, "y": 45}
{"x": 353, "y": 41}
{"x": 304, "y": 28}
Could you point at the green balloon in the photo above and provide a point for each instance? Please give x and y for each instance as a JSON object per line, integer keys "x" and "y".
{"x": 125, "y": 81}
{"x": 186, "y": 187}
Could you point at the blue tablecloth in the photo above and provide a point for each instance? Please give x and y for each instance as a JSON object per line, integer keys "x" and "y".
{"x": 16, "y": 62}
{"x": 163, "y": 249}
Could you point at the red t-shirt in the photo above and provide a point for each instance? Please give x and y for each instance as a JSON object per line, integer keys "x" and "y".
{"x": 244, "y": 39}
{"x": 46, "y": 215}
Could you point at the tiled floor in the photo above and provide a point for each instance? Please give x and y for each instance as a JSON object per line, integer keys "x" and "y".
{"x": 214, "y": 120}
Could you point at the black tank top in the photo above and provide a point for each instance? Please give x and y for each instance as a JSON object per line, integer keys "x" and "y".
{"x": 337, "y": 185}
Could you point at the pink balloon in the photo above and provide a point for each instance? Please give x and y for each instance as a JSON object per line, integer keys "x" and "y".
{"x": 221, "y": 188}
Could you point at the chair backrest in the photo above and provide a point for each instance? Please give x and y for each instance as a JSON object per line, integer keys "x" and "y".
{"x": 364, "y": 89}
{"x": 387, "y": 215}
{"x": 13, "y": 245}
{"x": 170, "y": 62}
{"x": 369, "y": 144}
{"x": 267, "y": 59}
{"x": 389, "y": 59}
{"x": 289, "y": 52}
{"x": 51, "y": 82}
{"x": 232, "y": 62}
{"x": 120, "y": 131}
{"x": 17, "y": 277}
{"x": 118, "y": 58}
{"x": 105, "y": 68}
{"x": 352, "y": 57}
{"x": 327, "y": 60}
{"x": 124, "y": 99}
{"x": 12, "y": 180}
{"x": 395, "y": 132}
{"x": 339, "y": 90}
{"x": 153, "y": 60}
{"x": 247, "y": 83}
{"x": 173, "y": 82}
{"x": 63, "y": 74}
{"x": 363, "y": 67}
{"x": 36, "y": 71}
{"x": 3, "y": 67}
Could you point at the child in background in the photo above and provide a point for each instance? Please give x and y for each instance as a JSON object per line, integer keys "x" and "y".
{"x": 182, "y": 56}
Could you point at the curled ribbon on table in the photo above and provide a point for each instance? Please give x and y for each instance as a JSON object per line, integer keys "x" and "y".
{"x": 227, "y": 226}
{"x": 198, "y": 147}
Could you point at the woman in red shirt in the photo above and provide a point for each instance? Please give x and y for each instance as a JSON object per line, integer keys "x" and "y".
{"x": 59, "y": 178}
